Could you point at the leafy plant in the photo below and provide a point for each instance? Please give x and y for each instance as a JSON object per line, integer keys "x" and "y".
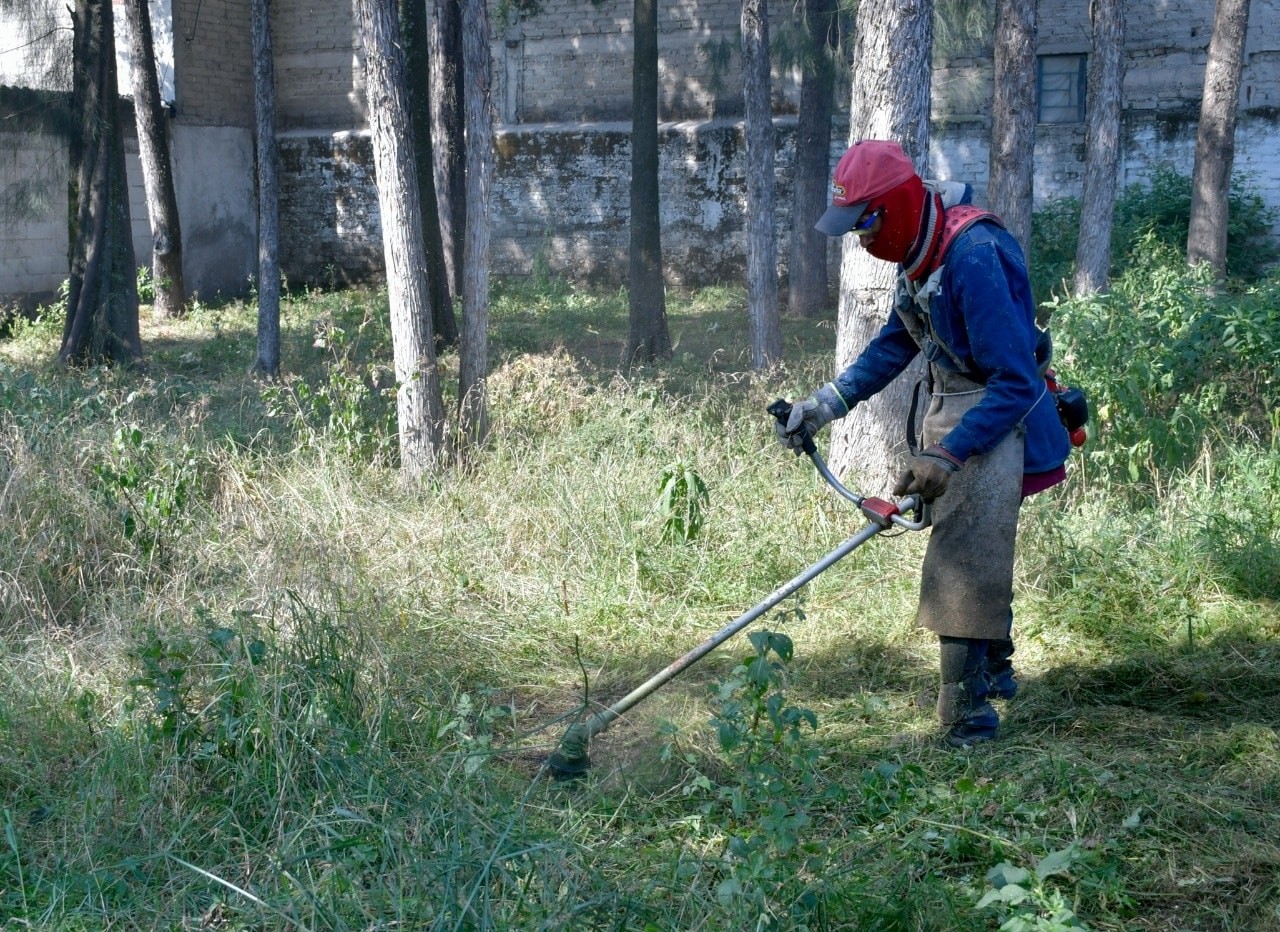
{"x": 351, "y": 411}
{"x": 146, "y": 285}
{"x": 1168, "y": 364}
{"x": 682, "y": 502}
{"x": 150, "y": 487}
{"x": 1025, "y": 901}
{"x": 770, "y": 859}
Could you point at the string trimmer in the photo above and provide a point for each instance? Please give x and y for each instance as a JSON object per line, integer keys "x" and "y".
{"x": 571, "y": 759}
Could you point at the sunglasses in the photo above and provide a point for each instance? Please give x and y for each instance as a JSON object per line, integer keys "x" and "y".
{"x": 863, "y": 226}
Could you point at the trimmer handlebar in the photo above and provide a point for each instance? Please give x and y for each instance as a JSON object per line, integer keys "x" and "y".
{"x": 877, "y": 510}
{"x": 781, "y": 410}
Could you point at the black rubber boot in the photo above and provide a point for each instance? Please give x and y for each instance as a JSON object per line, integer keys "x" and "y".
{"x": 967, "y": 717}
{"x": 966, "y": 721}
{"x": 1002, "y": 682}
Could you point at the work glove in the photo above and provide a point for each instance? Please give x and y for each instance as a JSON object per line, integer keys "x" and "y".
{"x": 928, "y": 474}
{"x": 810, "y": 416}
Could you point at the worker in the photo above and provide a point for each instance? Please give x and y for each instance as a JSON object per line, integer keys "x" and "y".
{"x": 990, "y": 435}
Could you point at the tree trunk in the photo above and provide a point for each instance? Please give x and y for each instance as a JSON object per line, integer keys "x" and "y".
{"x": 267, "y": 362}
{"x": 891, "y": 86}
{"x": 448, "y": 134}
{"x": 809, "y": 290}
{"x": 419, "y": 407}
{"x": 762, "y": 245}
{"x": 157, "y": 166}
{"x": 1216, "y": 137}
{"x": 648, "y": 337}
{"x": 473, "y": 407}
{"x": 1013, "y": 118}
{"x": 1102, "y": 146}
{"x": 417, "y": 40}
{"x": 102, "y": 297}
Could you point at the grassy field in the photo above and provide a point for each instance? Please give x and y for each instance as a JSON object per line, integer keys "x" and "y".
{"x": 252, "y": 681}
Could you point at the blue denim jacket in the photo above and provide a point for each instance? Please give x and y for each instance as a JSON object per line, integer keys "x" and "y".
{"x": 984, "y": 312}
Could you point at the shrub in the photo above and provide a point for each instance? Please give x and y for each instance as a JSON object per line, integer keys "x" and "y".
{"x": 1169, "y": 365}
{"x": 1156, "y": 211}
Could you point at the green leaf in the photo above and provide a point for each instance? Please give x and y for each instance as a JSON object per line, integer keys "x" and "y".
{"x": 1013, "y": 894}
{"x": 1005, "y": 873}
{"x": 10, "y": 835}
{"x": 728, "y": 890}
{"x": 1057, "y": 862}
{"x": 1010, "y": 894}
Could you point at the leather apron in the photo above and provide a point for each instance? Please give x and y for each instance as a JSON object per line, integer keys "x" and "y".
{"x": 966, "y": 584}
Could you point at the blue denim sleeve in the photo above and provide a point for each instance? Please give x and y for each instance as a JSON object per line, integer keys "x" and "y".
{"x": 987, "y": 297}
{"x": 879, "y": 363}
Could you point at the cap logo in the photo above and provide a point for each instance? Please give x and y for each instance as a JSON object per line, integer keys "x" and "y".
{"x": 837, "y": 191}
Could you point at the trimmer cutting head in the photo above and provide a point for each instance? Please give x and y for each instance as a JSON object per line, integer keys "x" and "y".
{"x": 571, "y": 760}
{"x": 565, "y": 768}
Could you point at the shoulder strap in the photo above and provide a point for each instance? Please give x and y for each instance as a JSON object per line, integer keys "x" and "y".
{"x": 955, "y": 220}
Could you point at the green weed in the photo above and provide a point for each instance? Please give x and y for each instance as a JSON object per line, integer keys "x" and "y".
{"x": 682, "y": 502}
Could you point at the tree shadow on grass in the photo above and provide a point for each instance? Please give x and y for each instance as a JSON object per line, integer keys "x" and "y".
{"x": 1229, "y": 679}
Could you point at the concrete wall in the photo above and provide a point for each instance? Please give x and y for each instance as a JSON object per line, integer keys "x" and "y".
{"x": 34, "y": 247}
{"x": 213, "y": 174}
{"x": 217, "y": 204}
{"x": 33, "y": 240}
{"x": 561, "y": 197}
{"x": 212, "y": 145}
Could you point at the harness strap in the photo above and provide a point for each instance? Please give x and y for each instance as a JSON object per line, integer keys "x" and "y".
{"x": 955, "y": 220}
{"x": 923, "y": 283}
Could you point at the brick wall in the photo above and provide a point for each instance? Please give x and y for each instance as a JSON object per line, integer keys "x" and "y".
{"x": 319, "y": 79}
{"x": 572, "y": 61}
{"x": 1166, "y": 48}
{"x": 213, "y": 60}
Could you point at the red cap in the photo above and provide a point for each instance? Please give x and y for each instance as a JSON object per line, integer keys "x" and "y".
{"x": 870, "y": 168}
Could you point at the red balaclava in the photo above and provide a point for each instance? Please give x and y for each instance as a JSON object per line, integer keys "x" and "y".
{"x": 901, "y": 209}
{"x": 875, "y": 174}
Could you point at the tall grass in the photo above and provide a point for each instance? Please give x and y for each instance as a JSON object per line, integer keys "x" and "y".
{"x": 251, "y": 680}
